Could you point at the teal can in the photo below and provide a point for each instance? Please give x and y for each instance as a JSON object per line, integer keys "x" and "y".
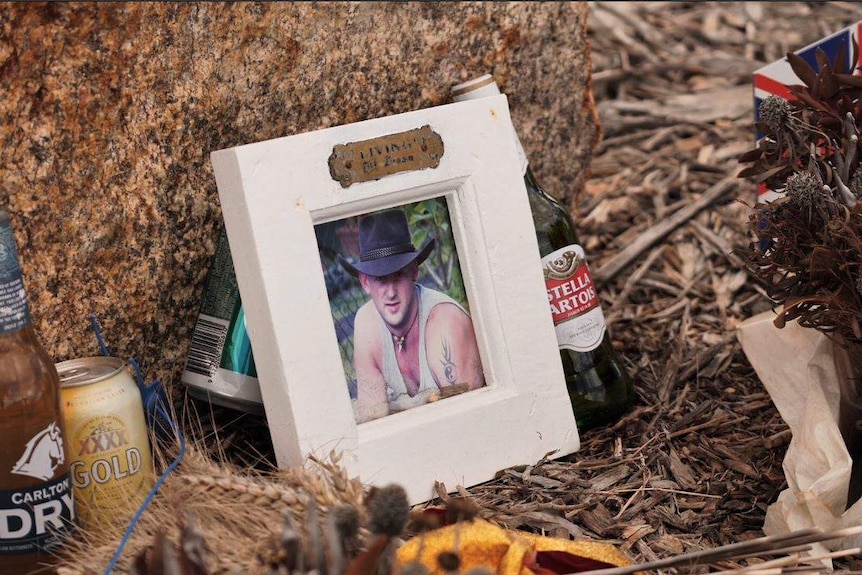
{"x": 220, "y": 364}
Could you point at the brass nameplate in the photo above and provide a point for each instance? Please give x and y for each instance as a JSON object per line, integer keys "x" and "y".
{"x": 368, "y": 160}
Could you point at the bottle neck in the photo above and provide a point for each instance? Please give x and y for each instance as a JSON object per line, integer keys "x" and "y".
{"x": 483, "y": 87}
{"x": 534, "y": 187}
{"x": 14, "y": 309}
{"x": 530, "y": 179}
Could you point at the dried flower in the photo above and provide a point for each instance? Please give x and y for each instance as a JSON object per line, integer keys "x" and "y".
{"x": 807, "y": 251}
{"x": 855, "y": 184}
{"x": 345, "y": 518}
{"x": 775, "y": 112}
{"x": 389, "y": 510}
{"x": 461, "y": 509}
{"x": 803, "y": 189}
{"x": 342, "y": 530}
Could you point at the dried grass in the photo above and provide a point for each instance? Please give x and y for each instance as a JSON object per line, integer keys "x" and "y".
{"x": 238, "y": 511}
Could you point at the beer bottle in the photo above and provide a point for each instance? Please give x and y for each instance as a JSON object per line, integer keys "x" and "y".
{"x": 598, "y": 385}
{"x": 36, "y": 508}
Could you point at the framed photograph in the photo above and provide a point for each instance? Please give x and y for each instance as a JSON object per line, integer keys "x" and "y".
{"x": 395, "y": 299}
{"x": 402, "y": 320}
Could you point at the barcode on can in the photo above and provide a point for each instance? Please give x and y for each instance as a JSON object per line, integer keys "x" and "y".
{"x": 206, "y": 346}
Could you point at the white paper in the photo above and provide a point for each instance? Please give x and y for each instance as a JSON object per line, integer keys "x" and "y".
{"x": 797, "y": 367}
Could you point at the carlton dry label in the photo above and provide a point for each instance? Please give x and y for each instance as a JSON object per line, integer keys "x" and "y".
{"x": 34, "y": 519}
{"x": 112, "y": 467}
{"x": 36, "y": 507}
{"x": 573, "y": 300}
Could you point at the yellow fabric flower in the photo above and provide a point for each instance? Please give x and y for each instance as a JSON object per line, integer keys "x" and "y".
{"x": 506, "y": 552}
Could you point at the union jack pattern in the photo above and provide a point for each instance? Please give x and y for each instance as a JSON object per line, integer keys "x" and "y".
{"x": 773, "y": 79}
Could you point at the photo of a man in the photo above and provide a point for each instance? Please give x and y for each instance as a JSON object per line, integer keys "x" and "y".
{"x": 411, "y": 344}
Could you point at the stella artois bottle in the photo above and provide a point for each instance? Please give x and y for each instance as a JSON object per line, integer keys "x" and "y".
{"x": 36, "y": 507}
{"x": 599, "y": 387}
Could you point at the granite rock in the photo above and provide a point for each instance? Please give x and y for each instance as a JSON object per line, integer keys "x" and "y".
{"x": 110, "y": 110}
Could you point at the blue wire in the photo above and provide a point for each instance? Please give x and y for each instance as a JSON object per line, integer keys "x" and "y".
{"x": 143, "y": 507}
{"x": 94, "y": 322}
{"x": 153, "y": 406}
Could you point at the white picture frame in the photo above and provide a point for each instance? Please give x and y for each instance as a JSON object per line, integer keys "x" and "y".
{"x": 273, "y": 193}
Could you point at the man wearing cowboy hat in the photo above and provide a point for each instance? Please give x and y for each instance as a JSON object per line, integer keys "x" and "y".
{"x": 411, "y": 343}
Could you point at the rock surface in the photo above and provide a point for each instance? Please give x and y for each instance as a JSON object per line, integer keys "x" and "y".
{"x": 109, "y": 113}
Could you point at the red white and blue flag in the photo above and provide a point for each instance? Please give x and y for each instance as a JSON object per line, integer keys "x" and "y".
{"x": 773, "y": 79}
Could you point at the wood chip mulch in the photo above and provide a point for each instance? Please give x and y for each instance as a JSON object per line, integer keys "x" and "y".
{"x": 698, "y": 460}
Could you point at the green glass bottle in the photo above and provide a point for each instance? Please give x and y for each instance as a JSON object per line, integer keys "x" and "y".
{"x": 599, "y": 386}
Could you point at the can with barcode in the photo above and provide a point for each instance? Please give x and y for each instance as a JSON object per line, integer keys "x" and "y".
{"x": 112, "y": 465}
{"x": 220, "y": 365}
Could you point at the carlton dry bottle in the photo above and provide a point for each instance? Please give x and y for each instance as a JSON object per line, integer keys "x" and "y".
{"x": 599, "y": 387}
{"x": 36, "y": 507}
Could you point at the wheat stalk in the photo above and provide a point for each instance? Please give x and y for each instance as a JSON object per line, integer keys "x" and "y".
{"x": 242, "y": 490}
{"x": 236, "y": 511}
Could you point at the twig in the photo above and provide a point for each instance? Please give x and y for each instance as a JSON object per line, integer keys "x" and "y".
{"x": 794, "y": 562}
{"x": 771, "y": 543}
{"x": 662, "y": 229}
{"x": 633, "y": 279}
{"x": 703, "y": 358}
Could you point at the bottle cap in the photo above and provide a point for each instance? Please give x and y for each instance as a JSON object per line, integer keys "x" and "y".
{"x": 480, "y": 87}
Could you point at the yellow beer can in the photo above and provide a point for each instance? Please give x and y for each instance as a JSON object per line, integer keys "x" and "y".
{"x": 112, "y": 465}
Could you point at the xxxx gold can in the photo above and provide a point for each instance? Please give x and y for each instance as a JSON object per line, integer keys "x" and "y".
{"x": 112, "y": 466}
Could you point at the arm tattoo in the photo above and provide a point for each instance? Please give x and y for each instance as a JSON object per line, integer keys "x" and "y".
{"x": 449, "y": 372}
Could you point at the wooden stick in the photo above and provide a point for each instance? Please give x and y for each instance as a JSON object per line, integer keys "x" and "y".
{"x": 771, "y": 543}
{"x": 662, "y": 229}
{"x": 792, "y": 562}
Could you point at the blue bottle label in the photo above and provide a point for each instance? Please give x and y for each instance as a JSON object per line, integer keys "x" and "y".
{"x": 14, "y": 312}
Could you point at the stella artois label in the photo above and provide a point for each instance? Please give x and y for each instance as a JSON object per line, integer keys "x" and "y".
{"x": 573, "y": 300}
